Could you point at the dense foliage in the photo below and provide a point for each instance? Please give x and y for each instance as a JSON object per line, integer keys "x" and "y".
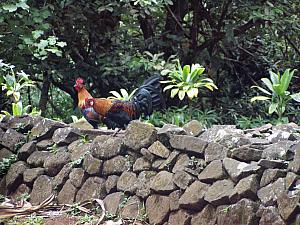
{"x": 117, "y": 44}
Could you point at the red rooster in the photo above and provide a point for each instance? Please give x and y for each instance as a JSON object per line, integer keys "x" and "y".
{"x": 88, "y": 112}
{"x": 118, "y": 114}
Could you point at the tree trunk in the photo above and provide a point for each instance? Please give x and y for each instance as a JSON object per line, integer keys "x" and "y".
{"x": 44, "y": 94}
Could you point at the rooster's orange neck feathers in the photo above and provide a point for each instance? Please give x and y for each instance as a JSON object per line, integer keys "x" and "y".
{"x": 82, "y": 95}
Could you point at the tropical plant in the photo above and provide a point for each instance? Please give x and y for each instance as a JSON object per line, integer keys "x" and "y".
{"x": 277, "y": 93}
{"x": 12, "y": 84}
{"x": 123, "y": 95}
{"x": 187, "y": 81}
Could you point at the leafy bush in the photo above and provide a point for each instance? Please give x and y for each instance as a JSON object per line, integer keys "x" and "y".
{"x": 277, "y": 93}
{"x": 181, "y": 116}
{"x": 13, "y": 83}
{"x": 187, "y": 81}
{"x": 123, "y": 95}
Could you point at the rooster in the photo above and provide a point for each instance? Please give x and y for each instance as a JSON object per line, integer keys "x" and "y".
{"x": 118, "y": 113}
{"x": 88, "y": 112}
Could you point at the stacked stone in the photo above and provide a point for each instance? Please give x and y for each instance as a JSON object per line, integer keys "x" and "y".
{"x": 170, "y": 175}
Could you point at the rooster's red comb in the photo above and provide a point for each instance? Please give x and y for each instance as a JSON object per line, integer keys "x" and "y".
{"x": 79, "y": 80}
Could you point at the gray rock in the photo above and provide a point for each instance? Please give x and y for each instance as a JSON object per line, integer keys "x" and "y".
{"x": 193, "y": 128}
{"x": 294, "y": 166}
{"x": 42, "y": 189}
{"x": 78, "y": 152}
{"x": 215, "y": 151}
{"x": 143, "y": 183}
{"x": 246, "y": 154}
{"x": 217, "y": 132}
{"x": 163, "y": 182}
{"x": 288, "y": 206}
{"x": 65, "y": 135}
{"x": 12, "y": 140}
{"x": 14, "y": 175}
{"x": 271, "y": 216}
{"x": 289, "y": 127}
{"x": 37, "y": 158}
{"x": 219, "y": 192}
{"x": 44, "y": 144}
{"x": 93, "y": 187}
{"x": 206, "y": 217}
{"x": 5, "y": 153}
{"x": 77, "y": 177}
{"x": 193, "y": 197}
{"x": 238, "y": 170}
{"x": 247, "y": 187}
{"x": 141, "y": 164}
{"x": 30, "y": 175}
{"x": 181, "y": 163}
{"x": 212, "y": 172}
{"x": 145, "y": 152}
{"x": 164, "y": 134}
{"x": 45, "y": 128}
{"x": 273, "y": 164}
{"x": 133, "y": 209}
{"x": 55, "y": 162}
{"x": 106, "y": 147}
{"x": 158, "y": 149}
{"x": 92, "y": 165}
{"x": 182, "y": 179}
{"x": 270, "y": 175}
{"x": 63, "y": 175}
{"x": 279, "y": 150}
{"x": 22, "y": 190}
{"x": 188, "y": 144}
{"x": 241, "y": 213}
{"x": 157, "y": 209}
{"x": 111, "y": 183}
{"x": 26, "y": 150}
{"x": 174, "y": 200}
{"x": 139, "y": 135}
{"x": 258, "y": 142}
{"x": 127, "y": 182}
{"x": 232, "y": 141}
{"x": 277, "y": 136}
{"x": 290, "y": 180}
{"x": 67, "y": 193}
{"x": 169, "y": 162}
{"x": 269, "y": 194}
{"x": 112, "y": 203}
{"x": 115, "y": 165}
{"x": 157, "y": 163}
{"x": 180, "y": 217}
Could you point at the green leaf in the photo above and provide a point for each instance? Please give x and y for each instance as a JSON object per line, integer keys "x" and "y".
{"x": 268, "y": 83}
{"x": 169, "y": 87}
{"x": 192, "y": 93}
{"x": 174, "y": 92}
{"x": 115, "y": 94}
{"x": 286, "y": 79}
{"x": 259, "y": 98}
{"x": 124, "y": 93}
{"x": 186, "y": 71}
{"x": 274, "y": 77}
{"x": 37, "y": 33}
{"x": 296, "y": 97}
{"x": 273, "y": 107}
{"x": 61, "y": 44}
{"x": 262, "y": 89}
{"x": 10, "y": 7}
{"x": 181, "y": 94}
{"x": 22, "y": 5}
{"x": 17, "y": 108}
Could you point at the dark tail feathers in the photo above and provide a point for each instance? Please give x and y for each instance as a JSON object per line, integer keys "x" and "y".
{"x": 149, "y": 96}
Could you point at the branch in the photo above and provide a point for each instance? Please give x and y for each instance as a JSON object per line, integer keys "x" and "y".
{"x": 176, "y": 21}
{"x": 244, "y": 28}
{"x": 224, "y": 11}
{"x": 292, "y": 44}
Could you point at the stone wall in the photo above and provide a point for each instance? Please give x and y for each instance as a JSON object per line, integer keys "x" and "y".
{"x": 171, "y": 175}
